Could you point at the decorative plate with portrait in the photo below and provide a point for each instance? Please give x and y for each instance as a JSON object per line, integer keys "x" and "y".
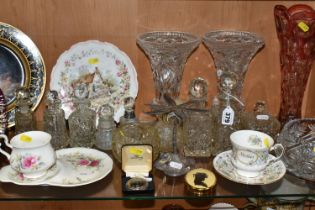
{"x": 21, "y": 64}
{"x": 108, "y": 72}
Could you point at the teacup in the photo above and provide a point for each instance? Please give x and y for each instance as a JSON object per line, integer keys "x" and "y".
{"x": 32, "y": 154}
{"x": 250, "y": 152}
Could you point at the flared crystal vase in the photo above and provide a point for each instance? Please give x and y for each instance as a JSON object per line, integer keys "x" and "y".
{"x": 168, "y": 52}
{"x": 232, "y": 51}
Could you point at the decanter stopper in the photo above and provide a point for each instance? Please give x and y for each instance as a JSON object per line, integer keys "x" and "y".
{"x": 24, "y": 117}
{"x": 129, "y": 105}
{"x": 198, "y": 89}
{"x": 81, "y": 91}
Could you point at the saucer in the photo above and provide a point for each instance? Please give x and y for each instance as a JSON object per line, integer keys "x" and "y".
{"x": 222, "y": 206}
{"x": 80, "y": 166}
{"x": 7, "y": 174}
{"x": 223, "y": 165}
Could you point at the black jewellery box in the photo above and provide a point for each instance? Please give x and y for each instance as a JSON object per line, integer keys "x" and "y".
{"x": 136, "y": 161}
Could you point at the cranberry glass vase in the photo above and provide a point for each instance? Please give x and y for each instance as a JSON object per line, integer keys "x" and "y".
{"x": 296, "y": 33}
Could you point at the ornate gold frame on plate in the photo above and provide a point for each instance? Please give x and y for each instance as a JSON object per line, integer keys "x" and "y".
{"x": 23, "y": 65}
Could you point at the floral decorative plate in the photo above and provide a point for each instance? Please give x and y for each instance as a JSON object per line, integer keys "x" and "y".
{"x": 223, "y": 165}
{"x": 75, "y": 167}
{"x": 108, "y": 71}
{"x": 21, "y": 64}
{"x": 81, "y": 166}
{"x": 7, "y": 174}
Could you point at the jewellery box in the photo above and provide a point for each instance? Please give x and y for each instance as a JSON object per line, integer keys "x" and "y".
{"x": 137, "y": 165}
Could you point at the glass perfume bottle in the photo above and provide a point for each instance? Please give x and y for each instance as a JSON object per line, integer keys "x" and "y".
{"x": 82, "y": 121}
{"x": 105, "y": 128}
{"x": 261, "y": 120}
{"x": 130, "y": 131}
{"x": 197, "y": 125}
{"x": 54, "y": 121}
{"x": 226, "y": 114}
{"x": 24, "y": 117}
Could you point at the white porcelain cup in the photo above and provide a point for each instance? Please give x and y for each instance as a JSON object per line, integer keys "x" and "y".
{"x": 32, "y": 154}
{"x": 250, "y": 152}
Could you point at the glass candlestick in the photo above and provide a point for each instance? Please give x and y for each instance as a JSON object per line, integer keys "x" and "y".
{"x": 168, "y": 52}
{"x": 54, "y": 121}
{"x": 174, "y": 163}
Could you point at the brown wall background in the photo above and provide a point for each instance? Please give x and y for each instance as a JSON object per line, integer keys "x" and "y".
{"x": 55, "y": 25}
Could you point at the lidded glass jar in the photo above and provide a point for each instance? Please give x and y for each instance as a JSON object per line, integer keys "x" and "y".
{"x": 131, "y": 131}
{"x": 54, "y": 121}
{"x": 105, "y": 128}
{"x": 82, "y": 122}
{"x": 24, "y": 117}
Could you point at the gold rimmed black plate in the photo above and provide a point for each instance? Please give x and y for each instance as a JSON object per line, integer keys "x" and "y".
{"x": 21, "y": 64}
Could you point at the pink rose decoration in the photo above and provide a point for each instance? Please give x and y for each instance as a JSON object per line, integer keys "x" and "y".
{"x": 29, "y": 161}
{"x": 94, "y": 163}
{"x": 84, "y": 162}
{"x": 118, "y": 62}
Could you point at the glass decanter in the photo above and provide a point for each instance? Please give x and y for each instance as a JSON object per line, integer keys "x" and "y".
{"x": 197, "y": 125}
{"x": 3, "y": 116}
{"x": 24, "y": 117}
{"x": 168, "y": 52}
{"x": 82, "y": 122}
{"x": 261, "y": 120}
{"x": 131, "y": 131}
{"x": 226, "y": 113}
{"x": 54, "y": 121}
{"x": 105, "y": 128}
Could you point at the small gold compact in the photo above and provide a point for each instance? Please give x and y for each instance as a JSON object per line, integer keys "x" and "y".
{"x": 200, "y": 181}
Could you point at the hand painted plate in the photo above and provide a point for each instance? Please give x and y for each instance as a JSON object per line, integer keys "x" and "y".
{"x": 21, "y": 64}
{"x": 223, "y": 165}
{"x": 109, "y": 73}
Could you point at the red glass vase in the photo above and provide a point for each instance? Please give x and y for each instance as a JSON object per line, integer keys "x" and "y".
{"x": 296, "y": 32}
